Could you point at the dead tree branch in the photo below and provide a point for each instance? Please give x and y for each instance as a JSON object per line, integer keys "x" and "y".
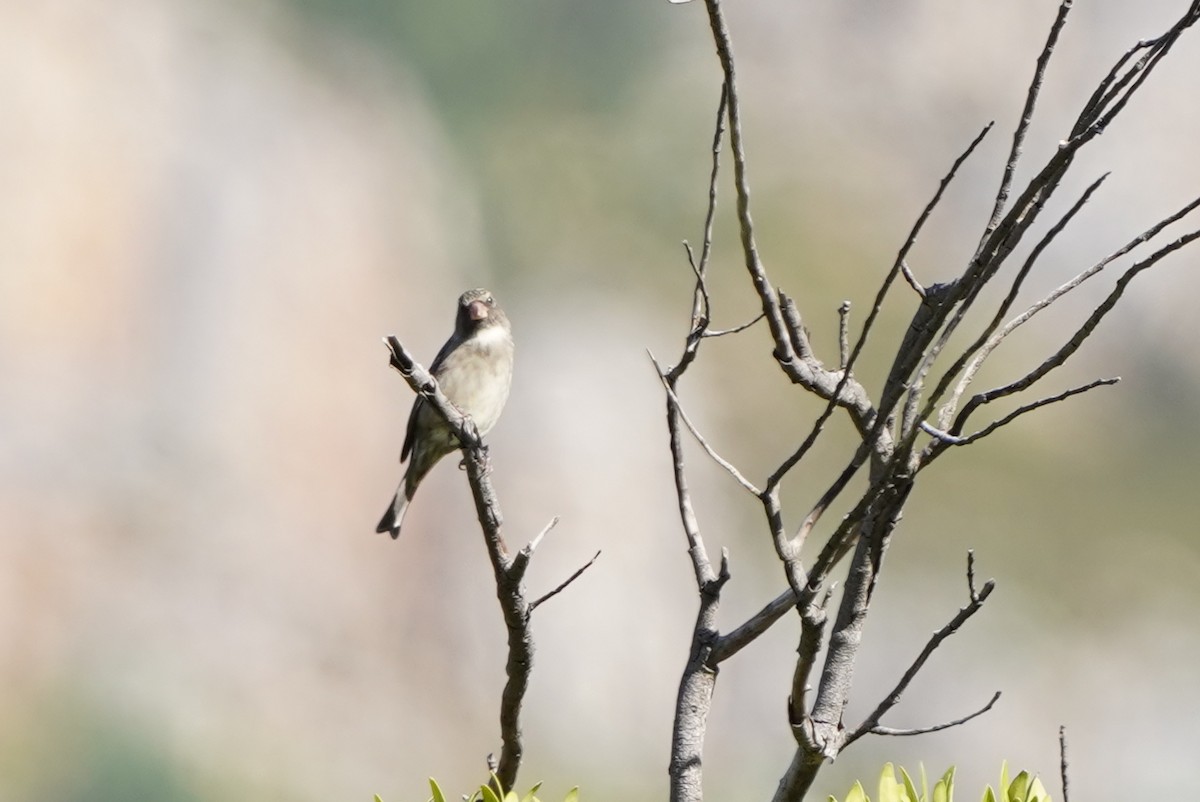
{"x": 509, "y": 570}
{"x": 891, "y": 425}
{"x": 975, "y": 601}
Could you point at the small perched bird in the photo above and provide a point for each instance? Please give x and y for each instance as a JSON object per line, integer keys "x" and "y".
{"x": 474, "y": 370}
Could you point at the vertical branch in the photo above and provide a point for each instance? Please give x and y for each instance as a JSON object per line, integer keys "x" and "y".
{"x": 509, "y": 571}
{"x": 699, "y": 679}
{"x": 888, "y": 428}
{"x": 1035, "y": 88}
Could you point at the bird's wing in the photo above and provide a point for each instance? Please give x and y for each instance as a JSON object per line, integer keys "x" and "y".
{"x": 410, "y": 433}
{"x": 447, "y": 348}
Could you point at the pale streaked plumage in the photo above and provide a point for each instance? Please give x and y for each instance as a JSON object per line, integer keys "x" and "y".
{"x": 474, "y": 370}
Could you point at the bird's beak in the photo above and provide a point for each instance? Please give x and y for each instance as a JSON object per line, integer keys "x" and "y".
{"x": 477, "y": 310}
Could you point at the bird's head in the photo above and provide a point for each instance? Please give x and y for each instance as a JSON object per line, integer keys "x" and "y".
{"x": 477, "y": 310}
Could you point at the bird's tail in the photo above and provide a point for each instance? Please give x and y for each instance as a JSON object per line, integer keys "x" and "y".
{"x": 394, "y": 516}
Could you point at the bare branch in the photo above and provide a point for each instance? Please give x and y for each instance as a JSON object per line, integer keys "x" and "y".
{"x": 813, "y": 622}
{"x": 1031, "y": 96}
{"x": 972, "y": 593}
{"x": 952, "y": 440}
{"x": 871, "y": 722}
{"x": 508, "y": 572}
{"x": 843, "y": 335}
{"x": 710, "y": 213}
{"x": 701, "y": 306}
{"x": 701, "y": 303}
{"x": 687, "y": 513}
{"x": 733, "y": 642}
{"x": 823, "y": 733}
{"x": 984, "y": 337}
{"x": 879, "y": 730}
{"x": 547, "y": 596}
{"x": 735, "y": 329}
{"x": 1116, "y": 92}
{"x": 889, "y": 425}
{"x": 830, "y": 495}
{"x": 929, "y": 313}
{"x": 699, "y": 678}
{"x": 996, "y": 337}
{"x": 537, "y": 540}
{"x": 1062, "y": 763}
{"x": 906, "y": 271}
{"x": 717, "y": 458}
{"x": 1058, "y": 358}
{"x": 938, "y": 434}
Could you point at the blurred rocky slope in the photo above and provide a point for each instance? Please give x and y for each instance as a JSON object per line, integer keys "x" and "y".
{"x": 211, "y": 212}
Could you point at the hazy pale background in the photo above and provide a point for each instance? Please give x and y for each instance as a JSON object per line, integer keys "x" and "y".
{"x": 210, "y": 212}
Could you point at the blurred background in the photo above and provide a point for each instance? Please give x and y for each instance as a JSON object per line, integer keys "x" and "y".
{"x": 211, "y": 212}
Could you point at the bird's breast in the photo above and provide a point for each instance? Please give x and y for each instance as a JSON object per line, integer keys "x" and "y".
{"x": 477, "y": 376}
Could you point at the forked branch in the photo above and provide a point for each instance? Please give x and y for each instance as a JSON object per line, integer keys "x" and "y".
{"x": 509, "y": 570}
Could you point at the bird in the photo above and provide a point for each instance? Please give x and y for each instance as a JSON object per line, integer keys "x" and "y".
{"x": 474, "y": 370}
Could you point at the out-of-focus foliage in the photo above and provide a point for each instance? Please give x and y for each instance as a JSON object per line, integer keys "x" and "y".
{"x": 1022, "y": 788}
{"x": 487, "y": 793}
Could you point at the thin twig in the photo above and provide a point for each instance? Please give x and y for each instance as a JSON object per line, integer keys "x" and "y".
{"x": 996, "y": 337}
{"x": 735, "y": 329}
{"x": 972, "y": 593}
{"x": 562, "y": 586}
{"x": 951, "y": 440}
{"x": 981, "y": 341}
{"x": 1059, "y": 357}
{"x": 1062, "y": 763}
{"x": 830, "y": 495}
{"x": 843, "y": 334}
{"x": 717, "y": 458}
{"x": 879, "y": 730}
{"x": 906, "y": 271}
{"x": 911, "y": 350}
{"x": 701, "y": 306}
{"x": 734, "y": 641}
{"x": 537, "y": 540}
{"x": 975, "y": 602}
{"x": 1031, "y": 96}
{"x": 711, "y": 211}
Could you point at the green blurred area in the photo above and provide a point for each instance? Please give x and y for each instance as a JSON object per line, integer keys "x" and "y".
{"x": 487, "y": 63}
{"x": 536, "y": 98}
{"x": 67, "y": 748}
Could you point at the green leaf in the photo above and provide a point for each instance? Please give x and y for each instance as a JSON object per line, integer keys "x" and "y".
{"x": 1004, "y": 780}
{"x": 1018, "y": 791}
{"x": 529, "y": 797}
{"x": 911, "y": 789}
{"x": 989, "y": 795}
{"x": 941, "y": 791}
{"x": 1038, "y": 792}
{"x": 889, "y": 789}
{"x": 377, "y": 799}
{"x": 438, "y": 796}
{"x": 572, "y": 795}
{"x": 488, "y": 794}
{"x": 857, "y": 794}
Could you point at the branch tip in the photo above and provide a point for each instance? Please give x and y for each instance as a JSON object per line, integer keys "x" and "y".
{"x": 563, "y": 585}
